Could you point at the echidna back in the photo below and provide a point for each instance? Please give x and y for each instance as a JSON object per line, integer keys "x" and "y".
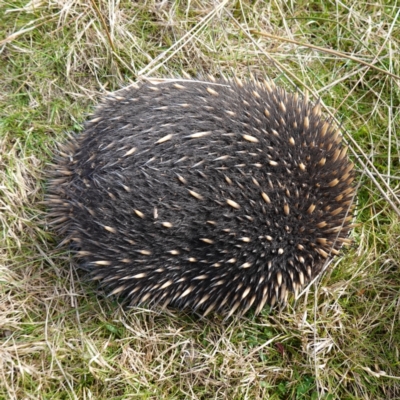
{"x": 210, "y": 195}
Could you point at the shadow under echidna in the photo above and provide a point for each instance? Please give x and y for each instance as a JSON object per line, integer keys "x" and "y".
{"x": 215, "y": 196}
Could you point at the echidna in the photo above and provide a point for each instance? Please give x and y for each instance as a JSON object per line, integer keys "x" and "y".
{"x": 218, "y": 195}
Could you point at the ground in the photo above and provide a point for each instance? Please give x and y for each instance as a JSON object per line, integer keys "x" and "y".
{"x": 62, "y": 339}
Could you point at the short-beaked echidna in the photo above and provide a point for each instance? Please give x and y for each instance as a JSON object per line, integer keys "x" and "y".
{"x": 218, "y": 195}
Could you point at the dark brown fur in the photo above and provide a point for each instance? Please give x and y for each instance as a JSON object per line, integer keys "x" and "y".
{"x": 210, "y": 195}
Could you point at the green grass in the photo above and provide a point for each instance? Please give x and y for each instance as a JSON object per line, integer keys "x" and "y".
{"x": 59, "y": 339}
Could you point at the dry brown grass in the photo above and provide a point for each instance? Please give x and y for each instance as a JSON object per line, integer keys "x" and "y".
{"x": 61, "y": 340}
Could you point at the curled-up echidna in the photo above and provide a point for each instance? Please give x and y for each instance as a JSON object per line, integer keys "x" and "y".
{"x": 217, "y": 195}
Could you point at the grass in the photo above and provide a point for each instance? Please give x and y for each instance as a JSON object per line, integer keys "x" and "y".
{"x": 60, "y": 339}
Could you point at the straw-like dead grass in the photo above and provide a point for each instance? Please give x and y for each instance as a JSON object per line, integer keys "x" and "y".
{"x": 59, "y": 339}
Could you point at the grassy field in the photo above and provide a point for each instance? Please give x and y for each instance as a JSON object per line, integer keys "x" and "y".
{"x": 60, "y": 339}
